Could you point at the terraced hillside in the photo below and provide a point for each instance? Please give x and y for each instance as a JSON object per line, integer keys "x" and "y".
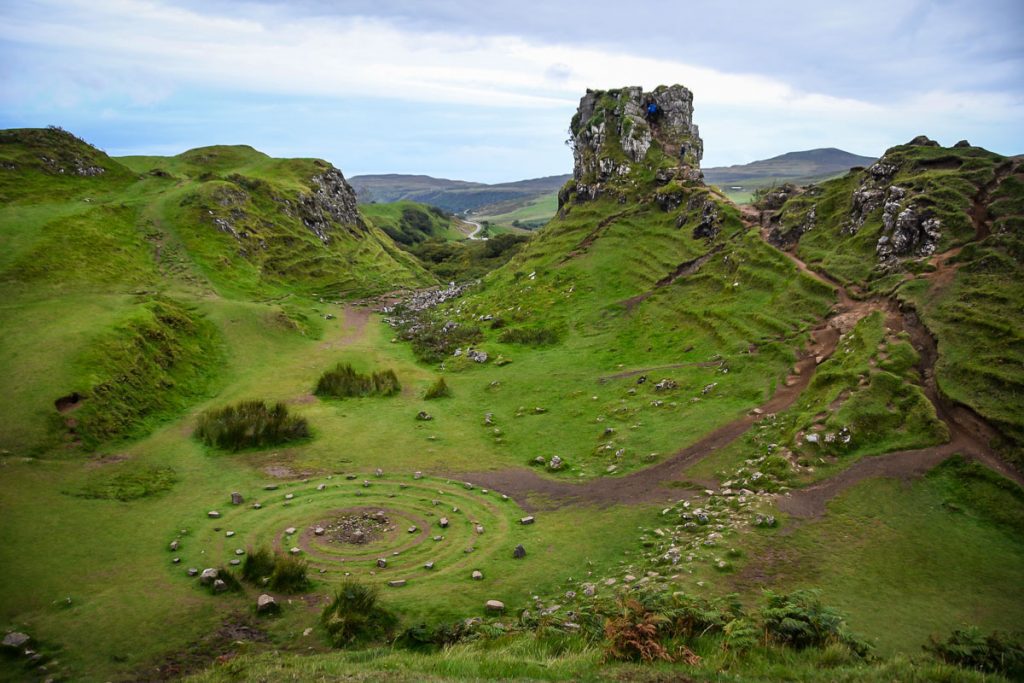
{"x": 668, "y": 439}
{"x": 111, "y": 271}
{"x": 940, "y": 230}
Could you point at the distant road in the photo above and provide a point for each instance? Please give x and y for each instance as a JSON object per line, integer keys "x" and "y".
{"x": 473, "y": 235}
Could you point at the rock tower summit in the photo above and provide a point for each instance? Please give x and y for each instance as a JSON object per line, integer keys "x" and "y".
{"x": 627, "y": 138}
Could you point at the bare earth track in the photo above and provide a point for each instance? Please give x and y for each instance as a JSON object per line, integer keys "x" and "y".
{"x": 969, "y": 434}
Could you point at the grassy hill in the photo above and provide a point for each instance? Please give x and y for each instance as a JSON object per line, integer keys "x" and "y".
{"x": 410, "y": 223}
{"x": 813, "y": 165}
{"x": 457, "y": 196}
{"x": 659, "y": 408}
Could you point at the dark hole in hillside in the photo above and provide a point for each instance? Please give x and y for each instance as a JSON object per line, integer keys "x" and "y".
{"x": 69, "y": 402}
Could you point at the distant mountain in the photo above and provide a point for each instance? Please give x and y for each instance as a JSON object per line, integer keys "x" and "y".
{"x": 801, "y": 167}
{"x": 453, "y": 195}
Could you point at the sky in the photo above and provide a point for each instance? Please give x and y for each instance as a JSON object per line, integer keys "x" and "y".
{"x": 484, "y": 91}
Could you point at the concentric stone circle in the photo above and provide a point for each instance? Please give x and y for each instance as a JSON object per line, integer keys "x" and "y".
{"x": 413, "y": 546}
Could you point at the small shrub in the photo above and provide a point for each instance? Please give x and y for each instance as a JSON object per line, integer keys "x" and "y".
{"x": 258, "y": 564}
{"x": 438, "y": 389}
{"x": 354, "y": 615}
{"x": 289, "y": 575}
{"x": 250, "y": 424}
{"x": 529, "y": 336}
{"x": 799, "y": 620}
{"x": 343, "y": 381}
{"x": 970, "y": 648}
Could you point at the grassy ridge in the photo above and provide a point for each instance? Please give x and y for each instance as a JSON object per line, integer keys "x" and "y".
{"x": 976, "y": 318}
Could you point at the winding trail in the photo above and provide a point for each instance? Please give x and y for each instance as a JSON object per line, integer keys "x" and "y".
{"x": 969, "y": 434}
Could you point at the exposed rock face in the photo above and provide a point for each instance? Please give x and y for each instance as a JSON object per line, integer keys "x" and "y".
{"x": 334, "y": 199}
{"x": 616, "y": 131}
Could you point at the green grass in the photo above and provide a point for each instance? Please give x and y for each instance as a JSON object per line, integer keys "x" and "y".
{"x": 908, "y": 561}
{"x": 531, "y": 215}
{"x": 203, "y": 326}
{"x": 977, "y": 319}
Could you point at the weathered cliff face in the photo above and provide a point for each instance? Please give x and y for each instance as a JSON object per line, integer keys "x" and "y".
{"x": 627, "y": 137}
{"x": 332, "y": 198}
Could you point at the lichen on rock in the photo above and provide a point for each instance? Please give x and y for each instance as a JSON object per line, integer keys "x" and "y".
{"x": 626, "y": 137}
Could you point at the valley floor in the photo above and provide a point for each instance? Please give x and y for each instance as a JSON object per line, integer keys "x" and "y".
{"x": 918, "y": 543}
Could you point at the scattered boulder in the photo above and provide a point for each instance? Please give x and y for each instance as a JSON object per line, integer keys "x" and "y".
{"x": 236, "y": 498}
{"x": 382, "y": 562}
{"x": 666, "y": 385}
{"x": 424, "y": 416}
{"x": 519, "y": 552}
{"x": 174, "y": 546}
{"x": 555, "y": 463}
{"x": 428, "y": 565}
{"x": 527, "y": 520}
{"x": 589, "y": 590}
{"x": 321, "y": 487}
{"x": 494, "y": 606}
{"x": 443, "y": 522}
{"x": 295, "y": 550}
{"x": 208, "y": 576}
{"x": 16, "y": 640}
{"x": 290, "y": 530}
{"x": 213, "y": 514}
{"x": 319, "y": 531}
{"x": 477, "y": 575}
{"x": 397, "y": 583}
{"x": 219, "y": 586}
{"x": 192, "y": 571}
{"x": 266, "y": 604}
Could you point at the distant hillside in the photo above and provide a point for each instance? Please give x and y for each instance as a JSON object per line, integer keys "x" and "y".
{"x": 809, "y": 166}
{"x": 454, "y": 195}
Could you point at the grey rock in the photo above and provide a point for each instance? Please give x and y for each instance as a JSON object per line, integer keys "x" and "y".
{"x": 443, "y": 522}
{"x": 424, "y": 416}
{"x": 192, "y": 571}
{"x": 382, "y": 562}
{"x": 266, "y": 604}
{"x": 477, "y": 575}
{"x": 174, "y": 546}
{"x": 397, "y": 583}
{"x": 319, "y": 531}
{"x": 494, "y": 606}
{"x": 236, "y": 498}
{"x": 428, "y": 565}
{"x": 235, "y": 563}
{"x": 208, "y": 576}
{"x": 16, "y": 640}
{"x": 519, "y": 552}
{"x": 213, "y": 514}
{"x": 295, "y": 550}
{"x": 555, "y": 463}
{"x": 219, "y": 586}
{"x": 321, "y": 487}
{"x": 527, "y": 520}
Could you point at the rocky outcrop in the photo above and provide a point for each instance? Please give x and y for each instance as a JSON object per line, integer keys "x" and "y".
{"x": 617, "y": 132}
{"x": 332, "y": 198}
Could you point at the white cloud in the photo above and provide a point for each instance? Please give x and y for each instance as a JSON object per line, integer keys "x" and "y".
{"x": 145, "y": 52}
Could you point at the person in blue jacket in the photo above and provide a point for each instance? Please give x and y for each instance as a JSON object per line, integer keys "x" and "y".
{"x": 653, "y": 111}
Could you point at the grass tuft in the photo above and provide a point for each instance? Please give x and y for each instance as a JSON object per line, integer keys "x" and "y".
{"x": 250, "y": 424}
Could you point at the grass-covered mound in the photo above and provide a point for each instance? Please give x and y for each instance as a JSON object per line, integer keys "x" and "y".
{"x": 250, "y": 424}
{"x": 151, "y": 365}
{"x": 410, "y": 223}
{"x": 958, "y": 285}
{"x": 342, "y": 381}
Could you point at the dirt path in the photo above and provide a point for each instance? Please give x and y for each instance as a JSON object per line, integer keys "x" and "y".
{"x": 354, "y": 319}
